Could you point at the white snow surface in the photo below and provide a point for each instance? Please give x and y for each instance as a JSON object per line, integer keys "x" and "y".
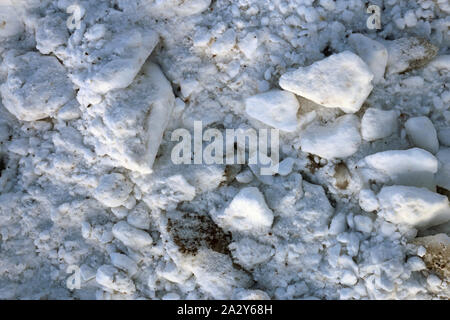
{"x": 358, "y": 209}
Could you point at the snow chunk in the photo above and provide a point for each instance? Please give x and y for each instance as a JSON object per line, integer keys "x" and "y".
{"x": 443, "y": 175}
{"x": 11, "y": 22}
{"x": 275, "y": 108}
{"x": 113, "y": 190}
{"x": 112, "y": 280}
{"x": 378, "y": 124}
{"x": 368, "y": 200}
{"x": 416, "y": 207}
{"x": 248, "y": 211}
{"x": 413, "y": 167}
{"x": 340, "y": 81}
{"x": 340, "y": 139}
{"x": 134, "y": 120}
{"x": 36, "y": 86}
{"x": 250, "y": 253}
{"x": 122, "y": 57}
{"x": 123, "y": 262}
{"x": 248, "y": 45}
{"x": 131, "y": 236}
{"x": 405, "y": 54}
{"x": 372, "y": 52}
{"x": 422, "y": 133}
{"x": 51, "y": 33}
{"x": 363, "y": 224}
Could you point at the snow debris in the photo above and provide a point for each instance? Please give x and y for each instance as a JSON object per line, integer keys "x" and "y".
{"x": 378, "y": 124}
{"x": 340, "y": 81}
{"x": 275, "y": 108}
{"x": 113, "y": 190}
{"x": 114, "y": 280}
{"x": 443, "y": 174}
{"x": 372, "y": 52}
{"x": 405, "y": 54}
{"x": 412, "y": 167}
{"x": 36, "y": 86}
{"x": 422, "y": 133}
{"x": 339, "y": 139}
{"x": 247, "y": 212}
{"x": 131, "y": 236}
{"x": 416, "y": 207}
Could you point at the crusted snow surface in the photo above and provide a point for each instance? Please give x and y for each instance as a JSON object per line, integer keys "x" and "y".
{"x": 89, "y": 101}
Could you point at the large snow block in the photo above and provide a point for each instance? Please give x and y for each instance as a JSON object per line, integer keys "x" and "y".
{"x": 340, "y": 81}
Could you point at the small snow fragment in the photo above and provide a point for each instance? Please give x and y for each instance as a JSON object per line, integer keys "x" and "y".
{"x": 250, "y": 253}
{"x": 444, "y": 136}
{"x": 340, "y": 139}
{"x": 285, "y": 166}
{"x": 123, "y": 262}
{"x": 443, "y": 175}
{"x": 416, "y": 207}
{"x": 363, "y": 224}
{"x": 114, "y": 280}
{"x": 433, "y": 281}
{"x": 416, "y": 264}
{"x": 171, "y": 296}
{"x": 338, "y": 224}
{"x": 248, "y": 45}
{"x": 113, "y": 190}
{"x": 244, "y": 176}
{"x": 368, "y": 200}
{"x": 422, "y": 133}
{"x": 139, "y": 217}
{"x": 340, "y": 81}
{"x": 372, "y": 52}
{"x": 378, "y": 124}
{"x": 247, "y": 211}
{"x": 245, "y": 294}
{"x": 275, "y": 108}
{"x": 405, "y": 54}
{"x": 131, "y": 236}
